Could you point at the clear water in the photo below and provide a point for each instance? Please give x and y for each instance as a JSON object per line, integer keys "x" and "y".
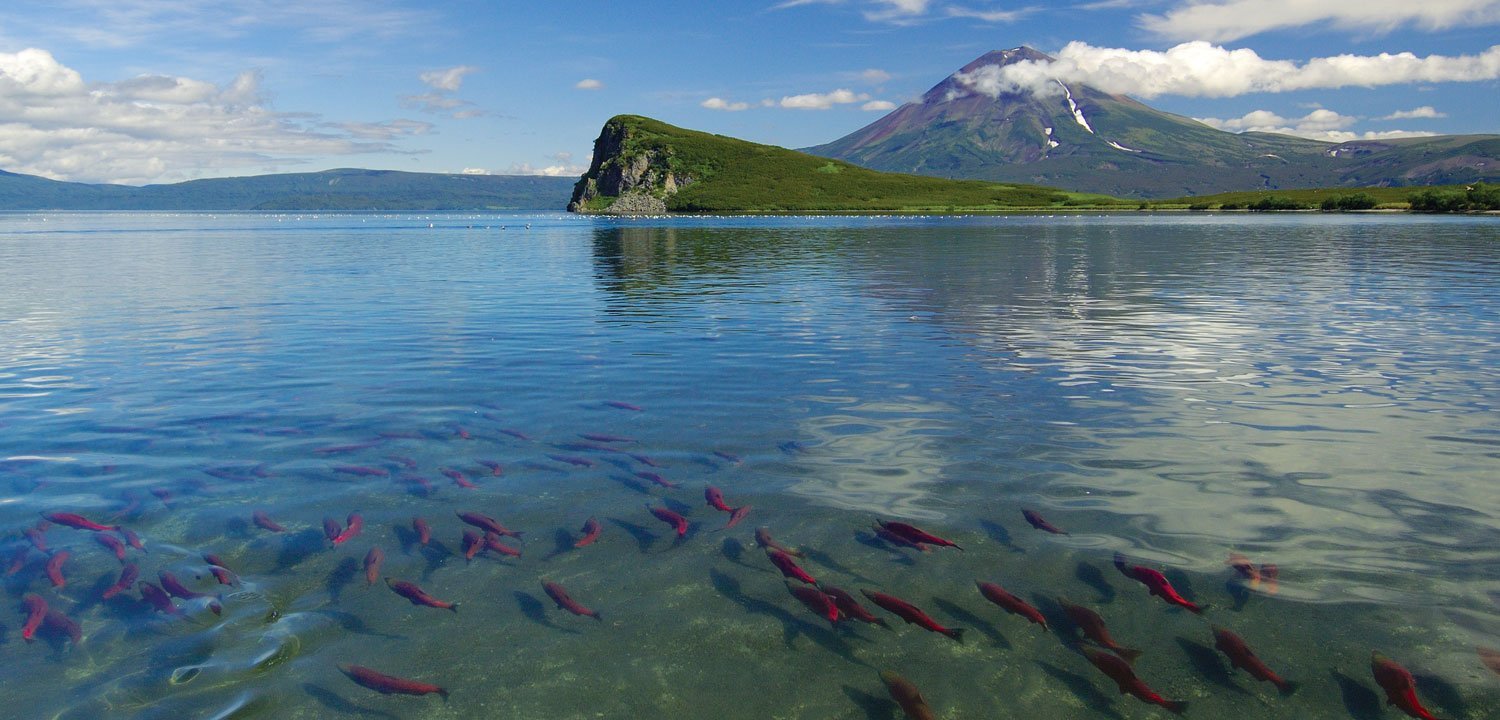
{"x": 1314, "y": 392}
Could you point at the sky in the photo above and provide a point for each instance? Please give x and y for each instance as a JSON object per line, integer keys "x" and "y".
{"x": 157, "y": 91}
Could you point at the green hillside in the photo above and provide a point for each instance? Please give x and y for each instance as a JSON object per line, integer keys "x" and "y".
{"x": 691, "y": 171}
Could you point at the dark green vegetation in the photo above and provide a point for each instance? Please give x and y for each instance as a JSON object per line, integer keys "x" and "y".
{"x": 331, "y": 190}
{"x": 644, "y": 161}
{"x": 1450, "y": 198}
{"x": 1132, "y": 150}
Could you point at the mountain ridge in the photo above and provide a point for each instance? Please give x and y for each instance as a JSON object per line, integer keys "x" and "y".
{"x": 1087, "y": 140}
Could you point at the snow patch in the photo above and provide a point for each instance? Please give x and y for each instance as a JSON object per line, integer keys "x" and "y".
{"x": 1118, "y": 146}
{"x": 1077, "y": 114}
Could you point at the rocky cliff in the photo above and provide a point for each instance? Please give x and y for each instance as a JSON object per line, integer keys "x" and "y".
{"x": 632, "y": 173}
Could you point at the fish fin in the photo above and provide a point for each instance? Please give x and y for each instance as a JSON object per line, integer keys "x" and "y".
{"x": 956, "y": 634}
{"x": 1127, "y": 654}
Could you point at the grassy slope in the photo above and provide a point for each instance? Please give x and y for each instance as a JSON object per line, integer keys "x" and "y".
{"x": 737, "y": 176}
{"x": 1390, "y": 198}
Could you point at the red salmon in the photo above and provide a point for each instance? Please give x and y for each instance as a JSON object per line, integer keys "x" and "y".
{"x": 487, "y": 524}
{"x": 36, "y": 610}
{"x": 851, "y": 607}
{"x": 331, "y": 528}
{"x": 916, "y": 534}
{"x": 763, "y": 539}
{"x": 566, "y": 602}
{"x": 913, "y": 705}
{"x": 736, "y": 516}
{"x": 76, "y": 521}
{"x": 264, "y": 521}
{"x": 361, "y": 471}
{"x": 645, "y": 460}
{"x": 1245, "y": 568}
{"x": 715, "y": 499}
{"x": 1156, "y": 582}
{"x": 789, "y": 567}
{"x": 37, "y": 536}
{"x": 403, "y": 461}
{"x": 174, "y": 587}
{"x": 1119, "y": 670}
{"x": 898, "y": 540}
{"x": 337, "y": 449}
{"x": 730, "y": 458}
{"x": 492, "y": 542}
{"x": 1490, "y": 658}
{"x": 1240, "y": 656}
{"x": 659, "y": 480}
{"x": 606, "y": 437}
{"x": 54, "y": 568}
{"x": 496, "y": 469}
{"x": 417, "y": 595}
{"x": 1012, "y": 604}
{"x": 424, "y": 533}
{"x": 158, "y": 598}
{"x": 573, "y": 460}
{"x": 59, "y": 622}
{"x": 132, "y": 539}
{"x": 591, "y": 529}
{"x": 817, "y": 601}
{"x": 114, "y": 544}
{"x": 472, "y": 544}
{"x": 389, "y": 684}
{"x": 1269, "y": 574}
{"x": 517, "y": 434}
{"x": 622, "y": 405}
{"x": 373, "y": 560}
{"x": 912, "y": 614}
{"x": 1036, "y": 520}
{"x": 128, "y": 575}
{"x": 1093, "y": 628}
{"x": 1399, "y": 686}
{"x": 669, "y": 517}
{"x": 458, "y": 478}
{"x": 356, "y": 524}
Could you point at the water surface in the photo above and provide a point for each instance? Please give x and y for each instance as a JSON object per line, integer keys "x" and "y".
{"x": 1313, "y": 392}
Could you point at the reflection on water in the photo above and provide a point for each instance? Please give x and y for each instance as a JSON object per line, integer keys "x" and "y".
{"x": 1315, "y": 393}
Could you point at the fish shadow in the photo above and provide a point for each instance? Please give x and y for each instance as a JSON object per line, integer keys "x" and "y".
{"x": 1090, "y": 575}
{"x": 238, "y": 528}
{"x": 875, "y": 707}
{"x": 352, "y": 623}
{"x": 342, "y": 575}
{"x": 677, "y": 506}
{"x": 643, "y": 538}
{"x": 1206, "y": 661}
{"x": 1238, "y": 592}
{"x": 826, "y": 560}
{"x": 735, "y": 550}
{"x": 999, "y": 534}
{"x": 871, "y": 541}
{"x": 791, "y": 625}
{"x": 1443, "y": 694}
{"x": 435, "y": 554}
{"x": 1083, "y": 689}
{"x": 1361, "y": 702}
{"x": 1183, "y": 584}
{"x": 93, "y": 596}
{"x": 562, "y": 544}
{"x": 631, "y": 483}
{"x": 406, "y": 538}
{"x": 536, "y": 611}
{"x": 335, "y": 702}
{"x": 296, "y": 548}
{"x": 972, "y": 620}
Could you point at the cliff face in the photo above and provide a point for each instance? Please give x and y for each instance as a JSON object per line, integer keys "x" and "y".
{"x": 629, "y": 175}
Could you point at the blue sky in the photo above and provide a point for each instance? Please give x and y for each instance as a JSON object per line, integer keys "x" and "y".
{"x": 141, "y": 91}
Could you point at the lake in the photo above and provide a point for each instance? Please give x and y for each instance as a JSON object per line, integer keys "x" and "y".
{"x": 1315, "y": 393}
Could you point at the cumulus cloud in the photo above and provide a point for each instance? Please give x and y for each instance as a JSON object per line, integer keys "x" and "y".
{"x": 874, "y": 76}
{"x": 449, "y": 80}
{"x": 989, "y": 16}
{"x": 718, "y": 103}
{"x": 822, "y": 101}
{"x": 559, "y": 170}
{"x": 157, "y": 128}
{"x": 878, "y": 105}
{"x": 1200, "y": 69}
{"x": 588, "y": 84}
{"x": 473, "y": 171}
{"x": 1320, "y": 124}
{"x": 1424, "y": 112}
{"x": 1226, "y": 20}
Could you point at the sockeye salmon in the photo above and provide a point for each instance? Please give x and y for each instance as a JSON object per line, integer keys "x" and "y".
{"x": 424, "y": 533}
{"x": 789, "y": 567}
{"x": 851, "y": 607}
{"x": 736, "y": 516}
{"x": 487, "y": 524}
{"x": 1036, "y": 520}
{"x": 356, "y": 524}
{"x": 763, "y": 539}
{"x": 1399, "y": 686}
{"x": 817, "y": 601}
{"x": 1156, "y": 583}
{"x": 492, "y": 542}
{"x": 655, "y": 478}
{"x": 417, "y": 595}
{"x": 669, "y": 517}
{"x": 912, "y": 614}
{"x": 715, "y": 499}
{"x": 158, "y": 598}
{"x": 54, "y": 568}
{"x": 1093, "y": 628}
{"x": 1012, "y": 604}
{"x": 1240, "y": 656}
{"x": 472, "y": 544}
{"x": 1119, "y": 670}
{"x": 128, "y": 575}
{"x": 114, "y": 544}
{"x": 389, "y": 684}
{"x": 566, "y": 602}
{"x": 264, "y": 522}
{"x": 59, "y": 622}
{"x": 373, "y": 560}
{"x": 590, "y": 530}
{"x": 916, "y": 534}
{"x": 78, "y": 522}
{"x": 913, "y": 705}
{"x": 36, "y": 610}
{"x": 1490, "y": 657}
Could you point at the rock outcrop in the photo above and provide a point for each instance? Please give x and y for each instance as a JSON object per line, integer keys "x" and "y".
{"x": 629, "y": 174}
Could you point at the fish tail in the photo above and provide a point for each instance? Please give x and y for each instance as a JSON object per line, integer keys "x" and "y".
{"x": 1127, "y": 654}
{"x": 1287, "y": 688}
{"x": 454, "y": 608}
{"x": 1175, "y": 706}
{"x": 599, "y": 616}
{"x": 443, "y": 692}
{"x": 956, "y": 634}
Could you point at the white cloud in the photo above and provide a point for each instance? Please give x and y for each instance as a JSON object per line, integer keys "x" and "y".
{"x": 874, "y": 76}
{"x": 1426, "y": 111}
{"x": 449, "y": 80}
{"x": 1320, "y": 124}
{"x": 157, "y": 128}
{"x": 588, "y": 84}
{"x": 822, "y": 101}
{"x": 717, "y": 103}
{"x": 1199, "y": 69}
{"x": 990, "y": 16}
{"x": 1225, "y": 20}
{"x": 559, "y": 170}
{"x": 473, "y": 171}
{"x": 878, "y": 105}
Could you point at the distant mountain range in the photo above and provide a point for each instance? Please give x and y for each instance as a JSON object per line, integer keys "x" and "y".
{"x": 1086, "y": 140}
{"x": 331, "y": 190}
